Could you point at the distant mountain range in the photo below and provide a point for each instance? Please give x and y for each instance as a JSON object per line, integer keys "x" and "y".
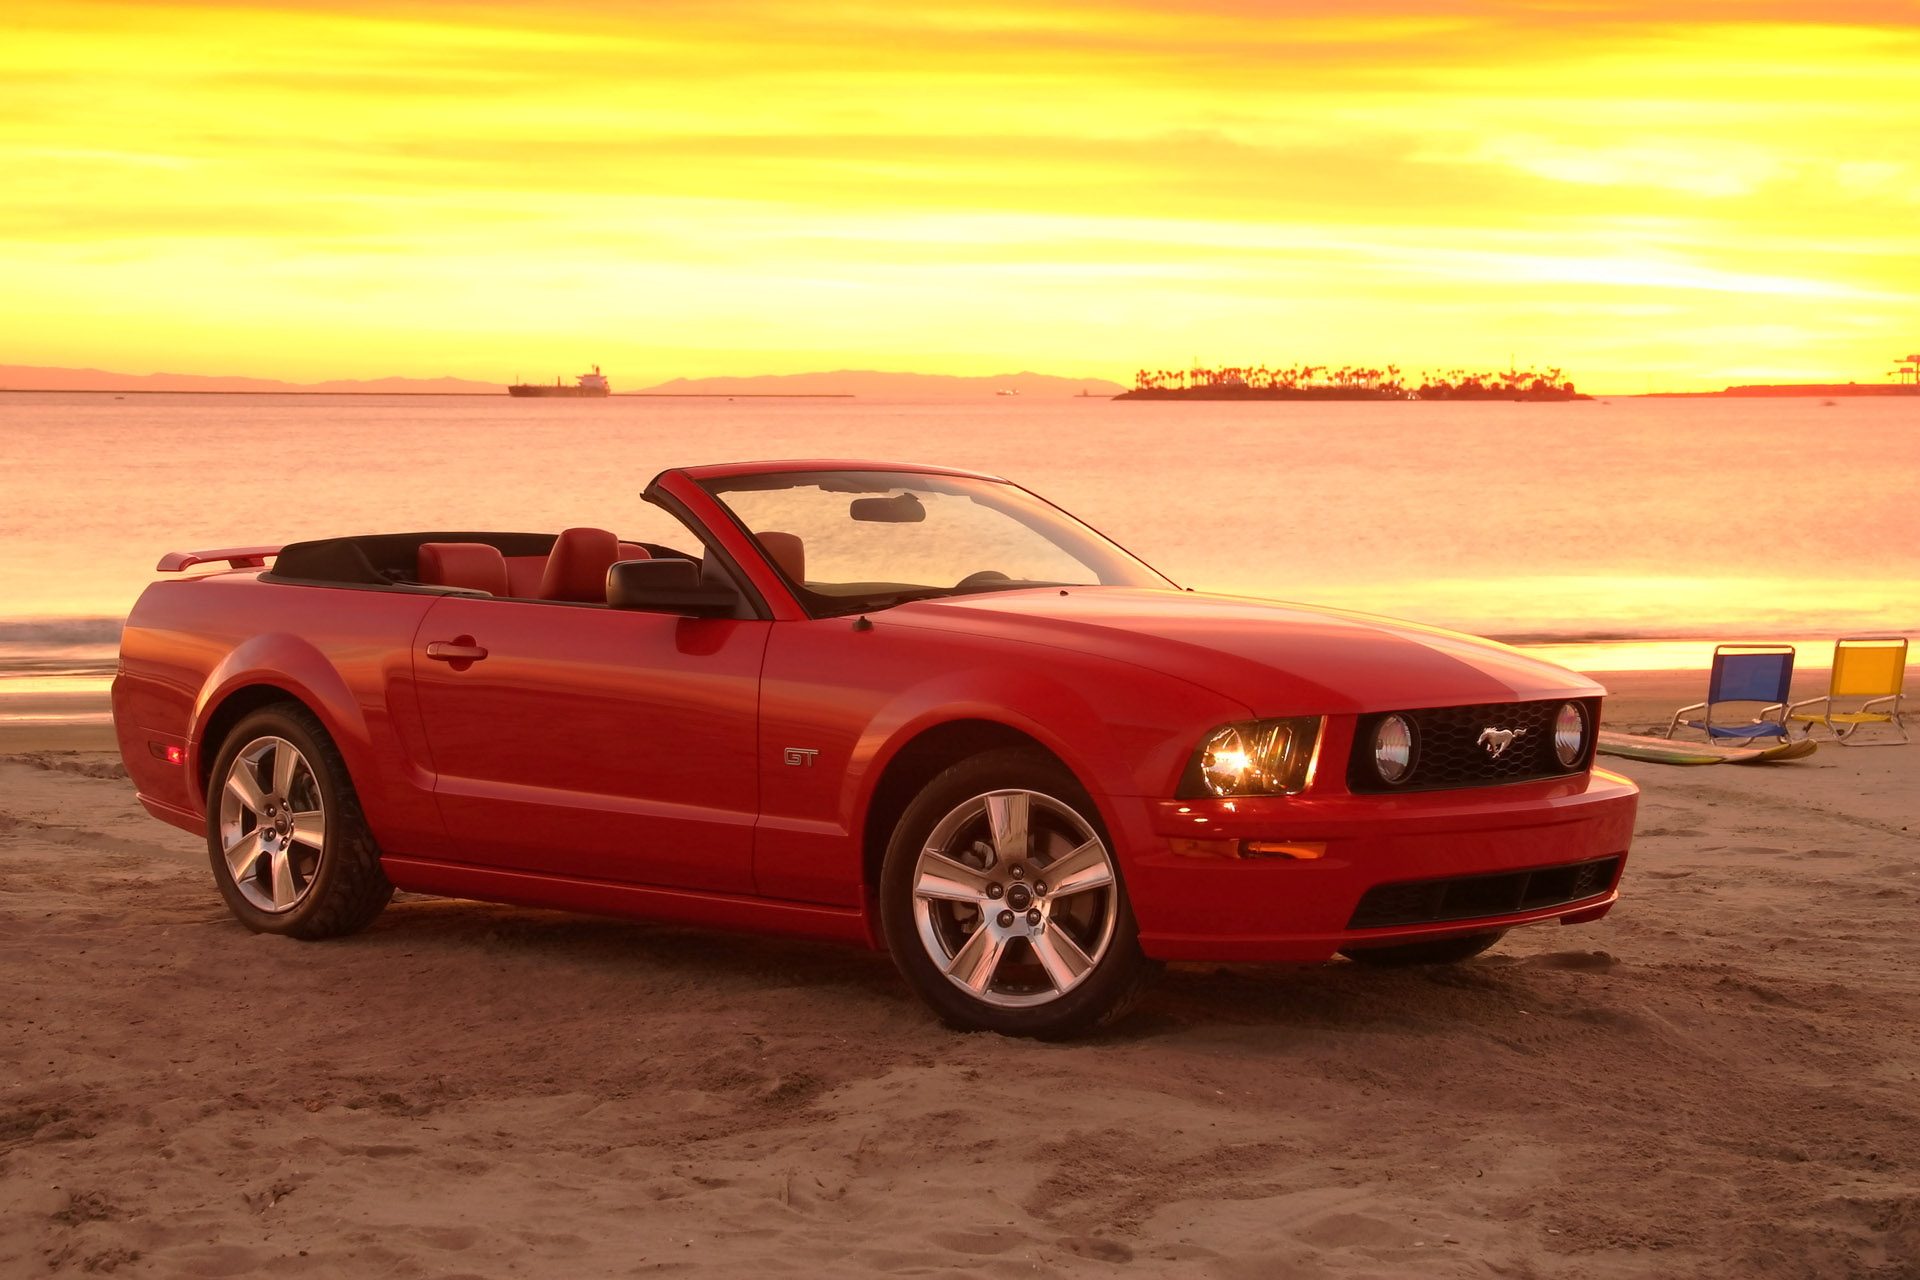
{"x": 23, "y": 377}
{"x": 846, "y": 382}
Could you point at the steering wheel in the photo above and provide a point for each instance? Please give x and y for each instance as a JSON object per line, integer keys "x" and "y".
{"x": 980, "y": 578}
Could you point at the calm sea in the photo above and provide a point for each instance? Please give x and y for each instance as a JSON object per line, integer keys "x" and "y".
{"x": 1625, "y": 517}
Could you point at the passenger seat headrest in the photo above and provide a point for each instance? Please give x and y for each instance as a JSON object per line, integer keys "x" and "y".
{"x": 577, "y": 566}
{"x": 475, "y": 566}
{"x": 787, "y": 551}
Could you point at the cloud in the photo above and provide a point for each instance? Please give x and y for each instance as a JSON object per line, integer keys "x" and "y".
{"x": 1230, "y": 164}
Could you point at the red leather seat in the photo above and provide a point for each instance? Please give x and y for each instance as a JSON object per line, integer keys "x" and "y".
{"x": 634, "y": 551}
{"x": 577, "y": 566}
{"x": 472, "y": 565}
{"x": 524, "y": 574}
{"x": 787, "y": 551}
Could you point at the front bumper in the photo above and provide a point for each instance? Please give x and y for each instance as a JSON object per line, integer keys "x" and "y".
{"x": 1284, "y": 909}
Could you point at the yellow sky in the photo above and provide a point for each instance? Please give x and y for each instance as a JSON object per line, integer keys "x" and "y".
{"x": 1675, "y": 193}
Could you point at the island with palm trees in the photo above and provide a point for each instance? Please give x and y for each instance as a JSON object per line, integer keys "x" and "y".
{"x": 1349, "y": 382}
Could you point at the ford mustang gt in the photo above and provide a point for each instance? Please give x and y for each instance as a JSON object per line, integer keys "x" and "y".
{"x": 902, "y": 706}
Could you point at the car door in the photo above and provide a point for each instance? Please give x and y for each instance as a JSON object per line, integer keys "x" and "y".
{"x": 605, "y": 744}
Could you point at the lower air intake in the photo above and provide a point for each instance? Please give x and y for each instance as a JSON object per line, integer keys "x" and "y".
{"x": 1471, "y": 897}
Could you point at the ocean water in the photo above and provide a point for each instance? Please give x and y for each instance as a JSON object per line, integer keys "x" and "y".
{"x": 1628, "y": 517}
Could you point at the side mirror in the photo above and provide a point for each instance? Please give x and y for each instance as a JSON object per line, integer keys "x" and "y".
{"x": 667, "y": 586}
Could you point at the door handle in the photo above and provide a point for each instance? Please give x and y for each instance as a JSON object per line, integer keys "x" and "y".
{"x": 459, "y": 651}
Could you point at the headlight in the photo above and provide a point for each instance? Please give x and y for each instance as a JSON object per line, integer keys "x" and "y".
{"x": 1253, "y": 758}
{"x": 1570, "y": 734}
{"x": 1393, "y": 744}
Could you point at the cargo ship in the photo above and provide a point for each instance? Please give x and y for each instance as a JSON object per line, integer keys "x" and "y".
{"x": 587, "y": 384}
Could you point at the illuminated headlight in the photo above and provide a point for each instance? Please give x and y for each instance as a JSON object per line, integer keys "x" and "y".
{"x": 1393, "y": 749}
{"x": 1254, "y": 758}
{"x": 1570, "y": 733}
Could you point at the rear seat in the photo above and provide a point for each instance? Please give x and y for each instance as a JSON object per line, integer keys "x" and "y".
{"x": 473, "y": 566}
{"x": 523, "y": 575}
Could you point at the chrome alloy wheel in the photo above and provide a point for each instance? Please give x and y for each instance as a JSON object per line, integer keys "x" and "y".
{"x": 1015, "y": 898}
{"x": 273, "y": 824}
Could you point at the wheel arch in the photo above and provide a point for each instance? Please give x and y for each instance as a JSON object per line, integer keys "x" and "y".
{"x": 916, "y": 763}
{"x": 264, "y": 670}
{"x": 233, "y": 708}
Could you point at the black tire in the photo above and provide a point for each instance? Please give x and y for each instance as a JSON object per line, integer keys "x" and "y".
{"x": 314, "y": 889}
{"x": 1019, "y": 992}
{"x": 1436, "y": 951}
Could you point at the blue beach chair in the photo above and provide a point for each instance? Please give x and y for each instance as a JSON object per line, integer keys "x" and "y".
{"x": 1746, "y": 673}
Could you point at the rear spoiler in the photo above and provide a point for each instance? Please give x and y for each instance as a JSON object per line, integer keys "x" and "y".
{"x": 237, "y": 557}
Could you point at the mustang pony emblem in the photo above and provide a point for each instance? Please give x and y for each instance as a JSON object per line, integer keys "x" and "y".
{"x": 1496, "y": 741}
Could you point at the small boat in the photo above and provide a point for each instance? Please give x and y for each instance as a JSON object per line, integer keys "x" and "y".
{"x": 586, "y": 384}
{"x": 1007, "y": 391}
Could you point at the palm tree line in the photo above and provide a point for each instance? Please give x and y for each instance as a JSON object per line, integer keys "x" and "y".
{"x": 1353, "y": 381}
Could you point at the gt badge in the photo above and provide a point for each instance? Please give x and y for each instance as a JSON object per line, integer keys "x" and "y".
{"x": 1496, "y": 741}
{"x": 801, "y": 756}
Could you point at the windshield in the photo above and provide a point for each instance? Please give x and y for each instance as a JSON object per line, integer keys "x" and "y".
{"x": 851, "y": 541}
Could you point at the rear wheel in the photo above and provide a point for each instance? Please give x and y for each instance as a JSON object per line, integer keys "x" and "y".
{"x": 289, "y": 847}
{"x": 1437, "y": 951}
{"x": 1002, "y": 901}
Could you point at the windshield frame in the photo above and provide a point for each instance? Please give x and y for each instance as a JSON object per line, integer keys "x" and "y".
{"x": 1082, "y": 542}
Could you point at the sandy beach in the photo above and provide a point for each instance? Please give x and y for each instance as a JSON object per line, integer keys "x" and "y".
{"x": 1720, "y": 1079}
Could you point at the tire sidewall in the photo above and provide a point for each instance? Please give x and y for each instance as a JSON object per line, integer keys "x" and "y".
{"x": 290, "y": 724}
{"x": 1099, "y": 997}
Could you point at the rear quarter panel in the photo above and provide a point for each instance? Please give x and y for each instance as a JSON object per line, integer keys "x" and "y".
{"x": 192, "y": 644}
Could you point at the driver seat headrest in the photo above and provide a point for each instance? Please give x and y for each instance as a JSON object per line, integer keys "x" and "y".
{"x": 577, "y": 566}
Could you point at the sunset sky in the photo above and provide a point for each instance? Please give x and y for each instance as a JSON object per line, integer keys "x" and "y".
{"x": 1675, "y": 194}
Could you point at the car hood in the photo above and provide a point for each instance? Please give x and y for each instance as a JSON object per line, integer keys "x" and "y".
{"x": 1279, "y": 659}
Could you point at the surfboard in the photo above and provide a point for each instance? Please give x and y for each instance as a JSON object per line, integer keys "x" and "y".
{"x": 1634, "y": 746}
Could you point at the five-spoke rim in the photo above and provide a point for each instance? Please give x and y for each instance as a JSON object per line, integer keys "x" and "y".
{"x": 273, "y": 824}
{"x": 1015, "y": 897}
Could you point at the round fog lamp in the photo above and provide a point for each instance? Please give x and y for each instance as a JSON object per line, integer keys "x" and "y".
{"x": 1393, "y": 749}
{"x": 1570, "y": 733}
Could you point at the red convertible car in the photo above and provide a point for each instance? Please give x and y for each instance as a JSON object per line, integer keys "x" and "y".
{"x": 902, "y": 706}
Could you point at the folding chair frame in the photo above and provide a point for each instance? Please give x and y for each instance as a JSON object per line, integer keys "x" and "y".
{"x": 1705, "y": 723}
{"x": 1844, "y": 731}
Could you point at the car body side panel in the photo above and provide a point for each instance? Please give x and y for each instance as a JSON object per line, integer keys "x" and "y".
{"x": 192, "y": 643}
{"x": 614, "y": 745}
{"x": 837, "y": 703}
{"x": 646, "y": 902}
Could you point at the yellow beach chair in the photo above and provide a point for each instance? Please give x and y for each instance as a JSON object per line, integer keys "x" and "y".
{"x": 1873, "y": 668}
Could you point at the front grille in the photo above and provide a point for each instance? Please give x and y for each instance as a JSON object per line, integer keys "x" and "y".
{"x": 1449, "y": 751}
{"x": 1471, "y": 897}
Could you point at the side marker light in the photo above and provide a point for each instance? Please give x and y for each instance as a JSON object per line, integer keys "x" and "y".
{"x": 1304, "y": 851}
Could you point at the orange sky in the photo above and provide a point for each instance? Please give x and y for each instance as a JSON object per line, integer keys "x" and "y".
{"x": 1667, "y": 193}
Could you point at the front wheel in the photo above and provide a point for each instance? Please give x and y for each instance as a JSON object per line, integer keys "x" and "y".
{"x": 289, "y": 847}
{"x": 1002, "y": 902}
